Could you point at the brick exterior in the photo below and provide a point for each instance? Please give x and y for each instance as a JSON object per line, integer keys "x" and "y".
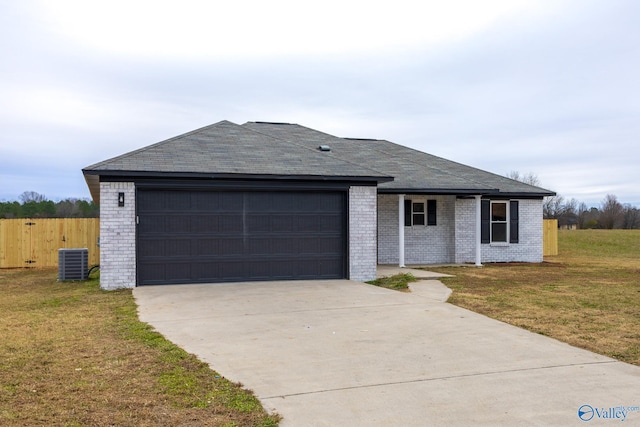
{"x": 528, "y": 249}
{"x": 117, "y": 236}
{"x": 362, "y": 233}
{"x": 373, "y": 234}
{"x": 453, "y": 239}
{"x": 432, "y": 244}
{"x": 465, "y": 237}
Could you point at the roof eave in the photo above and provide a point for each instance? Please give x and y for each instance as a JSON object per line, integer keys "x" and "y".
{"x": 148, "y": 174}
{"x": 440, "y": 191}
{"x": 93, "y": 182}
{"x": 466, "y": 192}
{"x": 93, "y": 178}
{"x": 533, "y": 194}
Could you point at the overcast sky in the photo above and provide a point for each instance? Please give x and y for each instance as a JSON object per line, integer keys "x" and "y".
{"x": 544, "y": 86}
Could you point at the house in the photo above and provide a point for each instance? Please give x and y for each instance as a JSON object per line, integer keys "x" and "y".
{"x": 278, "y": 201}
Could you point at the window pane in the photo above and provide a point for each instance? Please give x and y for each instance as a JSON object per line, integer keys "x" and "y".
{"x": 499, "y": 232}
{"x": 418, "y": 219}
{"x": 498, "y": 212}
{"x": 418, "y": 207}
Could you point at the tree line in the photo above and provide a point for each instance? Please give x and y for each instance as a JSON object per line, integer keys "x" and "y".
{"x": 574, "y": 214}
{"x": 35, "y": 205}
{"x": 570, "y": 213}
{"x": 609, "y": 215}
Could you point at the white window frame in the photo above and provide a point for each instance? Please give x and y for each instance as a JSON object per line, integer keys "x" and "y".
{"x": 505, "y": 222}
{"x": 423, "y": 213}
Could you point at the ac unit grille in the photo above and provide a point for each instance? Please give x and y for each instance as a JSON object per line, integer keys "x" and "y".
{"x": 73, "y": 264}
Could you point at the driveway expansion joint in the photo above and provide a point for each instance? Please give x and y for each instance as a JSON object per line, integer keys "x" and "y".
{"x": 448, "y": 377}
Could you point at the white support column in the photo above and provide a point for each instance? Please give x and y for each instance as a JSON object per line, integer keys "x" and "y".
{"x": 401, "y": 230}
{"x": 478, "y": 231}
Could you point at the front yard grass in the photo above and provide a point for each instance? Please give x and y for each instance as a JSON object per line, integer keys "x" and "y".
{"x": 398, "y": 282}
{"x": 587, "y": 296}
{"x": 74, "y": 355}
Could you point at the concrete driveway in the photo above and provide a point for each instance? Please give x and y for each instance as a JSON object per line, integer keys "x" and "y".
{"x": 343, "y": 353}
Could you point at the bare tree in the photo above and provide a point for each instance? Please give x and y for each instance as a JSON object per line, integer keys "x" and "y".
{"x": 32, "y": 196}
{"x": 611, "y": 212}
{"x": 553, "y": 207}
{"x": 571, "y": 207}
{"x": 630, "y": 217}
{"x": 582, "y": 215}
{"x": 528, "y": 178}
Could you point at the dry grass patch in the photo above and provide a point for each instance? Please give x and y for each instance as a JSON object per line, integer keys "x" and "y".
{"x": 588, "y": 296}
{"x": 71, "y": 354}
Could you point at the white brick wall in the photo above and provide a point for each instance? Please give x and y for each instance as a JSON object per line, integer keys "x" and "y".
{"x": 529, "y": 248}
{"x": 117, "y": 236}
{"x": 465, "y": 231}
{"x": 424, "y": 244}
{"x": 362, "y": 233}
{"x": 453, "y": 239}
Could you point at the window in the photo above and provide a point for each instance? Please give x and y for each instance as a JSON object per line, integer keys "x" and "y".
{"x": 499, "y": 221}
{"x": 419, "y": 213}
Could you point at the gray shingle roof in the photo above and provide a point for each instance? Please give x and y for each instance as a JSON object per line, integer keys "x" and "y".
{"x": 264, "y": 150}
{"x": 227, "y": 148}
{"x": 413, "y": 170}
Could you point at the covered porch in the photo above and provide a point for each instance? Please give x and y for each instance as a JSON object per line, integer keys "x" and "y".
{"x": 426, "y": 229}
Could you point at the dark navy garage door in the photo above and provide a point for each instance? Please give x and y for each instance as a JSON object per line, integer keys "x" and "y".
{"x": 224, "y": 236}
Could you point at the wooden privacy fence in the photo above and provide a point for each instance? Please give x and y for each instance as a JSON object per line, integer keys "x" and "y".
{"x": 550, "y": 237}
{"x": 34, "y": 242}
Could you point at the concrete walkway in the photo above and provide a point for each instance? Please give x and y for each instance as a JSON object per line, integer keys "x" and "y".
{"x": 342, "y": 353}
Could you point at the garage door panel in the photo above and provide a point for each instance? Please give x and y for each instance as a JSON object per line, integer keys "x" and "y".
{"x": 177, "y": 224}
{"x": 259, "y": 202}
{"x": 258, "y": 223}
{"x": 206, "y": 223}
{"x": 281, "y": 223}
{"x": 148, "y": 202}
{"x": 150, "y": 249}
{"x": 151, "y": 224}
{"x": 177, "y": 201}
{"x": 210, "y": 247}
{"x": 232, "y": 269}
{"x": 234, "y": 235}
{"x": 259, "y": 246}
{"x": 323, "y": 245}
{"x": 178, "y": 271}
{"x": 285, "y": 245}
{"x": 156, "y": 273}
{"x": 230, "y": 223}
{"x": 178, "y": 248}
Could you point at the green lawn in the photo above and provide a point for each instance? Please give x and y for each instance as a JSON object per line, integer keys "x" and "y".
{"x": 587, "y": 296}
{"x": 74, "y": 355}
